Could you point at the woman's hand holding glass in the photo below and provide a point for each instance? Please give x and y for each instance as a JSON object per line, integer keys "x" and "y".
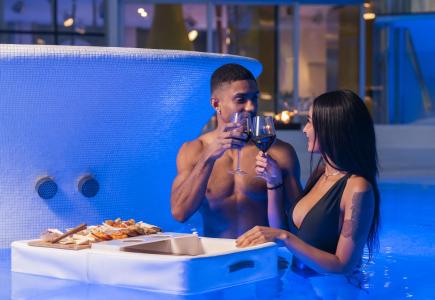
{"x": 264, "y": 135}
{"x": 267, "y": 168}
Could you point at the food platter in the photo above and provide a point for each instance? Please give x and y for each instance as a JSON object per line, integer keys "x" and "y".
{"x": 84, "y": 236}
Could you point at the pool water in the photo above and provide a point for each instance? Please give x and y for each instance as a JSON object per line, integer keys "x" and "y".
{"x": 403, "y": 268}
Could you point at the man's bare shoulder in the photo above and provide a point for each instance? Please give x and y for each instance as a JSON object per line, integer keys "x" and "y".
{"x": 283, "y": 150}
{"x": 191, "y": 150}
{"x": 285, "y": 155}
{"x": 194, "y": 146}
{"x": 188, "y": 155}
{"x": 284, "y": 145}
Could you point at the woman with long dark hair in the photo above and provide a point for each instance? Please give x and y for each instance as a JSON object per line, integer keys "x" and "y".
{"x": 337, "y": 215}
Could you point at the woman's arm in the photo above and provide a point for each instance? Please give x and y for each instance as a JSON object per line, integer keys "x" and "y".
{"x": 268, "y": 169}
{"x": 281, "y": 171}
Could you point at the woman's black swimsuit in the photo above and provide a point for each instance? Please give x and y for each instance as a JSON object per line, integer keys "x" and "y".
{"x": 321, "y": 226}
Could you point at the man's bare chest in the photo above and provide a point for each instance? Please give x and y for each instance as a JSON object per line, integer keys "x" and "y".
{"x": 223, "y": 185}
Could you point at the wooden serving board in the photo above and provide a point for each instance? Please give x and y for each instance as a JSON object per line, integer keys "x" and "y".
{"x": 41, "y": 243}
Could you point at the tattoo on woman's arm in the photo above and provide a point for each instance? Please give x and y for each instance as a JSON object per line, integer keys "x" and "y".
{"x": 355, "y": 227}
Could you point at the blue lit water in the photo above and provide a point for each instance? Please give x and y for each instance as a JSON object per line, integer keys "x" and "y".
{"x": 403, "y": 269}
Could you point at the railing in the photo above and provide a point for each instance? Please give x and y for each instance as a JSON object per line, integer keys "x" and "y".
{"x": 412, "y": 54}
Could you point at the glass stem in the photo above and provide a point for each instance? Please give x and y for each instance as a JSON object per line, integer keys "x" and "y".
{"x": 238, "y": 160}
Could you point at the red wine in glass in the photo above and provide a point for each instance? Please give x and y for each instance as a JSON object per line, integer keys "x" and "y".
{"x": 263, "y": 142}
{"x": 263, "y": 132}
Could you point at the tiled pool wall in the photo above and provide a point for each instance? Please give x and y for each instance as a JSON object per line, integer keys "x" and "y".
{"x": 117, "y": 114}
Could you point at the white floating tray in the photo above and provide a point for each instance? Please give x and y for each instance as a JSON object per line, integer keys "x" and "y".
{"x": 185, "y": 264}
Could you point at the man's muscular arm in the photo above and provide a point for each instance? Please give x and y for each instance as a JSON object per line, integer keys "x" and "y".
{"x": 195, "y": 162}
{"x": 189, "y": 187}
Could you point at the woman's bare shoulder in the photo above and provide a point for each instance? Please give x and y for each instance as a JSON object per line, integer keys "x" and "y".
{"x": 357, "y": 187}
{"x": 359, "y": 184}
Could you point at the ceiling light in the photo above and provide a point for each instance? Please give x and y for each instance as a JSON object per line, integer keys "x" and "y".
{"x": 369, "y": 16}
{"x": 142, "y": 12}
{"x": 68, "y": 22}
{"x": 192, "y": 35}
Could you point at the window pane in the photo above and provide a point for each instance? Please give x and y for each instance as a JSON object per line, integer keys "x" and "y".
{"x": 285, "y": 99}
{"x": 165, "y": 26}
{"x": 403, "y": 90}
{"x": 81, "y": 16}
{"x": 250, "y": 31}
{"x": 329, "y": 49}
{"x": 20, "y": 15}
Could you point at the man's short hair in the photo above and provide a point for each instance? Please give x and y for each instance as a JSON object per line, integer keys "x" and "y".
{"x": 229, "y": 73}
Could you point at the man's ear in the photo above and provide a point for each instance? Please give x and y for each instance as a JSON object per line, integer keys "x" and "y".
{"x": 215, "y": 104}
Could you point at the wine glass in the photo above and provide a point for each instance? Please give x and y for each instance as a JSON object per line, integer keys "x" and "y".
{"x": 263, "y": 133}
{"x": 242, "y": 118}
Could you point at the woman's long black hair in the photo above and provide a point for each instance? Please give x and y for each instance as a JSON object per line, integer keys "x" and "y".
{"x": 344, "y": 130}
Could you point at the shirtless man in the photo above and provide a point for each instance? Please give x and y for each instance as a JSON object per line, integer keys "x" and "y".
{"x": 230, "y": 204}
